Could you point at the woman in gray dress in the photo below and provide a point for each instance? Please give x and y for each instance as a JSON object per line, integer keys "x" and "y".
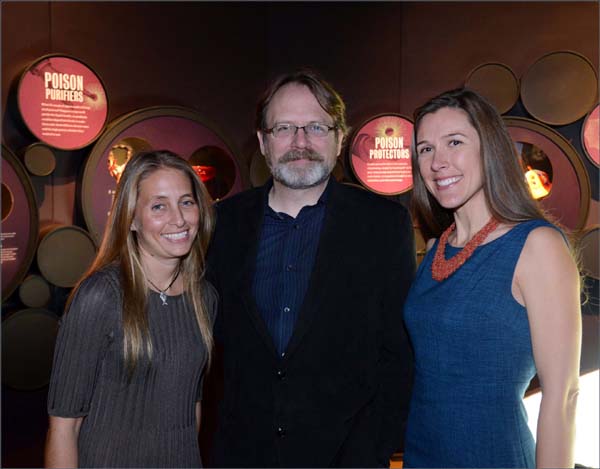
{"x": 132, "y": 347}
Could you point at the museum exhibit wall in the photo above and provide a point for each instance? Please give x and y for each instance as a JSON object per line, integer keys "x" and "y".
{"x": 215, "y": 58}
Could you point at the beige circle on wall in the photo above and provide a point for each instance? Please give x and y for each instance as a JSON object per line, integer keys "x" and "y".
{"x": 64, "y": 254}
{"x": 34, "y": 291}
{"x": 497, "y": 83}
{"x": 560, "y": 88}
{"x": 39, "y": 159}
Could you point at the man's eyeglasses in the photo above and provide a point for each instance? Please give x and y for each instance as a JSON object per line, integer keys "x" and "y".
{"x": 313, "y": 129}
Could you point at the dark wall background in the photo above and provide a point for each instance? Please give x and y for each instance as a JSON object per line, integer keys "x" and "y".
{"x": 217, "y": 57}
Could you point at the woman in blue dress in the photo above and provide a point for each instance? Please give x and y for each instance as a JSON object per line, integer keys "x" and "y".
{"x": 495, "y": 301}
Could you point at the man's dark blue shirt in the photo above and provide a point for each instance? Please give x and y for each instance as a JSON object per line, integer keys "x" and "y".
{"x": 286, "y": 256}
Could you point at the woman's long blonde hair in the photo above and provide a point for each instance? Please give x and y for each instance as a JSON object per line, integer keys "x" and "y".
{"x": 119, "y": 245}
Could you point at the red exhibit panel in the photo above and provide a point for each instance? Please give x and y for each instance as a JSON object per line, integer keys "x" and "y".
{"x": 380, "y": 154}
{"x": 62, "y": 102}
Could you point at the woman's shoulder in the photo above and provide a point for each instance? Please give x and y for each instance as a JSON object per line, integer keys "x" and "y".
{"x": 106, "y": 279}
{"x": 96, "y": 301}
{"x": 542, "y": 233}
{"x": 546, "y": 237}
{"x": 546, "y": 247}
{"x": 99, "y": 290}
{"x": 535, "y": 223}
{"x": 546, "y": 263}
{"x": 430, "y": 243}
{"x": 518, "y": 234}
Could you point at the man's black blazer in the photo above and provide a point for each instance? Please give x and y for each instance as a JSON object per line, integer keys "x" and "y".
{"x": 339, "y": 395}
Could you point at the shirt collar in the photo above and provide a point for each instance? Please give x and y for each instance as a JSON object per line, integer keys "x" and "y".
{"x": 322, "y": 200}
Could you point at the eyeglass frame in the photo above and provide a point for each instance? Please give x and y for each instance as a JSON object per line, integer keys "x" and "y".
{"x": 303, "y": 127}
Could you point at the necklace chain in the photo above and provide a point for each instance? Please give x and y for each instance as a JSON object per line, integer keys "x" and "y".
{"x": 162, "y": 293}
{"x": 441, "y": 268}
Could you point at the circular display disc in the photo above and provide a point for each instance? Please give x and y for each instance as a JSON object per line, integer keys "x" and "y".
{"x": 39, "y": 159}
{"x": 569, "y": 199}
{"x": 590, "y": 136}
{"x": 28, "y": 338}
{"x": 35, "y": 292}
{"x": 380, "y": 154}
{"x": 62, "y": 102}
{"x": 560, "y": 88}
{"x": 174, "y": 128}
{"x": 497, "y": 83}
{"x": 64, "y": 254}
{"x": 20, "y": 222}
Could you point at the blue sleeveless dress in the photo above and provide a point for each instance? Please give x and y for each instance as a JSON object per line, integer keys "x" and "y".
{"x": 473, "y": 361}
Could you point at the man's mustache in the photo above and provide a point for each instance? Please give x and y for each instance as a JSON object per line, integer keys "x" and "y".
{"x": 295, "y": 155}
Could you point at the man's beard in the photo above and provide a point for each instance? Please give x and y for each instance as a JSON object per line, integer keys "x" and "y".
{"x": 311, "y": 175}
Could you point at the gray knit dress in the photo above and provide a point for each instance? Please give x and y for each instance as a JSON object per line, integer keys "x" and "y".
{"x": 143, "y": 420}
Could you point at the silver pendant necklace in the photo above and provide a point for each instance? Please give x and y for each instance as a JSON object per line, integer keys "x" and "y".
{"x": 162, "y": 293}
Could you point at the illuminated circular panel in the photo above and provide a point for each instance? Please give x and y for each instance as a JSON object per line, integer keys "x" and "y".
{"x": 497, "y": 83}
{"x": 569, "y": 200}
{"x": 19, "y": 222}
{"x": 560, "y": 88}
{"x": 63, "y": 102}
{"x": 590, "y": 136}
{"x": 380, "y": 154}
{"x": 173, "y": 128}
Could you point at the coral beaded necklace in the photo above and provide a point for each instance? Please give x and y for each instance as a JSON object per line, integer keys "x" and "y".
{"x": 441, "y": 268}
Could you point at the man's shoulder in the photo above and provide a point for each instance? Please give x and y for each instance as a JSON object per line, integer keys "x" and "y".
{"x": 363, "y": 199}
{"x": 239, "y": 201}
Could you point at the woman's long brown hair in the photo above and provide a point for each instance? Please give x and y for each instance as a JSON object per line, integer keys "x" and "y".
{"x": 119, "y": 245}
{"x": 504, "y": 185}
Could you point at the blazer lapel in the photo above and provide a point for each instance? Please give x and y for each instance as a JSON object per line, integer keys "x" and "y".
{"x": 251, "y": 220}
{"x": 329, "y": 250}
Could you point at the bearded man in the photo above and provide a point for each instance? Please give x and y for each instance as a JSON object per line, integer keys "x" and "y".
{"x": 312, "y": 276}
